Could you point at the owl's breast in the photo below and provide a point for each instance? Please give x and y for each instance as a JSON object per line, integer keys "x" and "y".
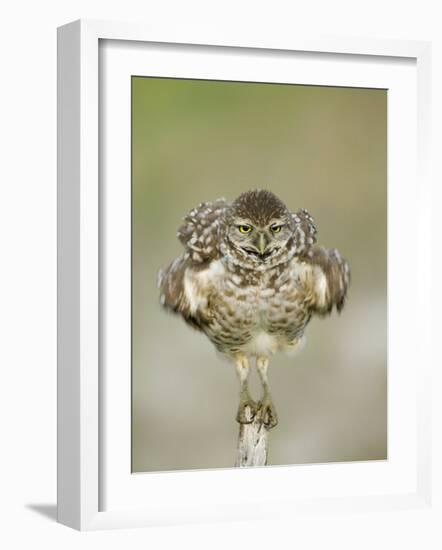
{"x": 282, "y": 309}
{"x": 258, "y": 317}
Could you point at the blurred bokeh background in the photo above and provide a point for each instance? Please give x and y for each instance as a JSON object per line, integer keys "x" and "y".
{"x": 321, "y": 148}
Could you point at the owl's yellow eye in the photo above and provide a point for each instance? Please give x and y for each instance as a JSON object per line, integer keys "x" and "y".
{"x": 245, "y": 228}
{"x": 276, "y": 228}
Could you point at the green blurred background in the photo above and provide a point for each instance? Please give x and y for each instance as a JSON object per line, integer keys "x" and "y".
{"x": 320, "y": 148}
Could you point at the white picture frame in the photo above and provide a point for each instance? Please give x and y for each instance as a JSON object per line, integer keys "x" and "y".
{"x": 81, "y": 471}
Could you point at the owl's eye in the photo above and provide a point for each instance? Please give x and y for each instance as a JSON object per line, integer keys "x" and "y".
{"x": 276, "y": 228}
{"x": 245, "y": 228}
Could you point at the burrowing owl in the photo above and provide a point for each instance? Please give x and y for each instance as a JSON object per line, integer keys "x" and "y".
{"x": 250, "y": 278}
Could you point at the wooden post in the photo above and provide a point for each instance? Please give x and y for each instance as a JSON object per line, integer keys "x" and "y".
{"x": 253, "y": 443}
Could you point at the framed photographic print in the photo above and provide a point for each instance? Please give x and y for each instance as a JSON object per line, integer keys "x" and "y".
{"x": 236, "y": 222}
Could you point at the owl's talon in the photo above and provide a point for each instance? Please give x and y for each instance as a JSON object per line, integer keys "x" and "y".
{"x": 246, "y": 411}
{"x": 268, "y": 413}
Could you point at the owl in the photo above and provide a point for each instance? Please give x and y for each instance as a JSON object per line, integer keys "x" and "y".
{"x": 250, "y": 278}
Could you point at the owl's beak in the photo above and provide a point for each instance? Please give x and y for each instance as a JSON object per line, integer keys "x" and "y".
{"x": 262, "y": 243}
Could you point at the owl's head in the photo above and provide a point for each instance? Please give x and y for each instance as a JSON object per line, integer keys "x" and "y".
{"x": 258, "y": 226}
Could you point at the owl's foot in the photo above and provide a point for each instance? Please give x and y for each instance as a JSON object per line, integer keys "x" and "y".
{"x": 268, "y": 413}
{"x": 246, "y": 411}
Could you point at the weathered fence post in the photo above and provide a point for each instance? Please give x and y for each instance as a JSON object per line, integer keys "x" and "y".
{"x": 253, "y": 443}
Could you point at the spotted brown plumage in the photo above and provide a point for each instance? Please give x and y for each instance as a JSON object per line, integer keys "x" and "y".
{"x": 250, "y": 278}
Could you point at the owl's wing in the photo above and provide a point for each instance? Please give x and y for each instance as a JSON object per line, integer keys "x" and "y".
{"x": 199, "y": 232}
{"x": 178, "y": 286}
{"x": 326, "y": 275}
{"x": 304, "y": 233}
{"x": 325, "y": 272}
{"x": 173, "y": 296}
